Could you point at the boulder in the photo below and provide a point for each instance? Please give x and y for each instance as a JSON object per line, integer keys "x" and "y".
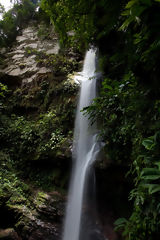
{"x": 21, "y": 39}
{"x": 41, "y": 221}
{"x": 3, "y": 50}
{"x": 9, "y": 234}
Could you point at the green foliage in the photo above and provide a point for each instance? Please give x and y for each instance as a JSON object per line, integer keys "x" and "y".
{"x": 82, "y": 21}
{"x": 3, "y": 90}
{"x": 60, "y": 63}
{"x": 25, "y": 138}
{"x": 32, "y": 143}
{"x": 144, "y": 218}
{"x": 40, "y": 148}
{"x": 14, "y": 20}
{"x": 38, "y": 141}
{"x": 128, "y": 117}
{"x": 42, "y": 33}
{"x": 120, "y": 223}
{"x": 2, "y": 9}
{"x": 12, "y": 189}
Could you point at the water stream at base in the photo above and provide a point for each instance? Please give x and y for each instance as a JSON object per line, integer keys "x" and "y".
{"x": 85, "y": 149}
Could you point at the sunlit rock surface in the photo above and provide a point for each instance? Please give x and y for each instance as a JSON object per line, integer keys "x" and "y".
{"x": 21, "y": 60}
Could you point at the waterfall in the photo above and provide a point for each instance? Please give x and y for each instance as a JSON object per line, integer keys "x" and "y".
{"x": 85, "y": 149}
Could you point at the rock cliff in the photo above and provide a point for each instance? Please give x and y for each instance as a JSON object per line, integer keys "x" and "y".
{"x": 36, "y": 117}
{"x": 21, "y": 60}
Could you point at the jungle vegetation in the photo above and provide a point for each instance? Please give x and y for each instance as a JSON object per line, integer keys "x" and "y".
{"x": 15, "y": 19}
{"x": 128, "y": 106}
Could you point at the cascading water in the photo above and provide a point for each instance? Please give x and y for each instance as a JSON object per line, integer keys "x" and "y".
{"x": 85, "y": 149}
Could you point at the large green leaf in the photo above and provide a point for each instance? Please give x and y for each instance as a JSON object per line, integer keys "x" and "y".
{"x": 126, "y": 23}
{"x": 148, "y": 143}
{"x": 131, "y": 3}
{"x": 150, "y": 174}
{"x": 154, "y": 188}
{"x": 137, "y": 10}
{"x": 158, "y": 165}
{"x": 120, "y": 221}
{"x": 151, "y": 177}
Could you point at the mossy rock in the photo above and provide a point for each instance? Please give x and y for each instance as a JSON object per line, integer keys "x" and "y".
{"x": 41, "y": 198}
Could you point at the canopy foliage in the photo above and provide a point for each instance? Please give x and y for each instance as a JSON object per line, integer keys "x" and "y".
{"x": 14, "y": 19}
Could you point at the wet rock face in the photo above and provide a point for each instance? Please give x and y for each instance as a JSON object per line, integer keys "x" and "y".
{"x": 39, "y": 219}
{"x": 50, "y": 206}
{"x": 41, "y": 231}
{"x": 40, "y": 234}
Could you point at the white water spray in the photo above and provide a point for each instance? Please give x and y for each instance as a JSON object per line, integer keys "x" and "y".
{"x": 85, "y": 149}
